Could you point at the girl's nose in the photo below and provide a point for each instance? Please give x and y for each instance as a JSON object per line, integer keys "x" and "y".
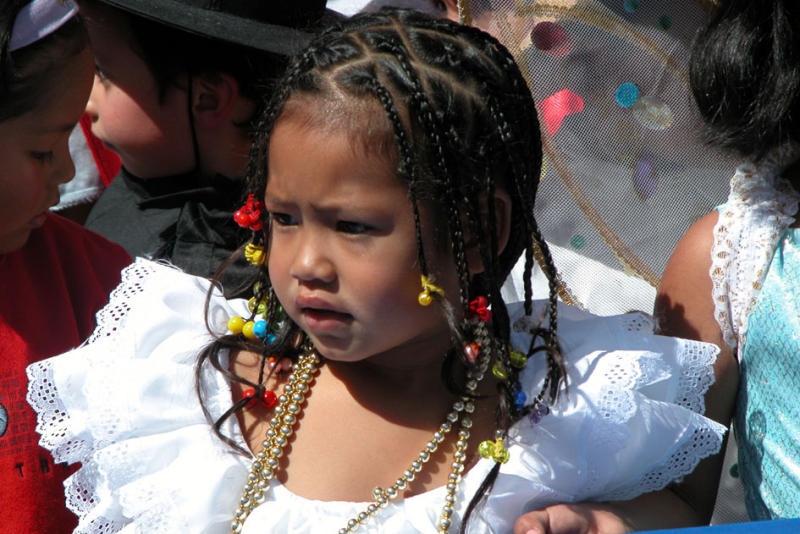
{"x": 312, "y": 263}
{"x": 64, "y": 171}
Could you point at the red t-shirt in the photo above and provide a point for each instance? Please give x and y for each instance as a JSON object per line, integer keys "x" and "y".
{"x": 50, "y": 291}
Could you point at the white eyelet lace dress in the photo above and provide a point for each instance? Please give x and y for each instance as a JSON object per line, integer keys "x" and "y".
{"x": 124, "y": 405}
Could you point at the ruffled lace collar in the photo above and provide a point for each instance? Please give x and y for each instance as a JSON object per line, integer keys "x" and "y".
{"x": 760, "y": 207}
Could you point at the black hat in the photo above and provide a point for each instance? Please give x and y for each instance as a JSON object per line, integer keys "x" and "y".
{"x": 271, "y": 25}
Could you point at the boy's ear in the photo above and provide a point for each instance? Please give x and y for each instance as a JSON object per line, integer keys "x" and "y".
{"x": 214, "y": 98}
{"x": 502, "y": 212}
{"x": 452, "y": 9}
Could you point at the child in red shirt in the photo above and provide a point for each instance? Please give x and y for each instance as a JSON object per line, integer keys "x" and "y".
{"x": 54, "y": 274}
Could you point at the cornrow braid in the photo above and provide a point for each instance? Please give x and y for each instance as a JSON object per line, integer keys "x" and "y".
{"x": 406, "y": 162}
{"x": 435, "y": 86}
{"x": 433, "y": 125}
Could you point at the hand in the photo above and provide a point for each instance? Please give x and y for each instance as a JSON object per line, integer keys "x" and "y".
{"x": 581, "y": 518}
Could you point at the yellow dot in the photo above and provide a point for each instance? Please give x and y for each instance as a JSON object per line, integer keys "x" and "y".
{"x": 235, "y": 324}
{"x": 247, "y": 330}
{"x": 425, "y": 298}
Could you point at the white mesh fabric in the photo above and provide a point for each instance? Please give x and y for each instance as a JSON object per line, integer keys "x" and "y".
{"x": 624, "y": 175}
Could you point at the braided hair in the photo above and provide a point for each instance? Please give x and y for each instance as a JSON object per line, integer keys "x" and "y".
{"x": 449, "y": 105}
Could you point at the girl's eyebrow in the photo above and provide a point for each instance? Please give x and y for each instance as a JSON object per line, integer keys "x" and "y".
{"x": 56, "y": 128}
{"x": 66, "y": 127}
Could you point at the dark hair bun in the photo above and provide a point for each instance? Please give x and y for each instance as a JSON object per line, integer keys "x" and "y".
{"x": 745, "y": 75}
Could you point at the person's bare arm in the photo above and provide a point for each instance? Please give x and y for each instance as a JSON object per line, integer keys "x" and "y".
{"x": 659, "y": 509}
{"x": 685, "y": 308}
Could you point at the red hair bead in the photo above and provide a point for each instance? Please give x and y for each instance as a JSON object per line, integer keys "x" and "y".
{"x": 269, "y": 398}
{"x": 249, "y": 215}
{"x": 479, "y": 308}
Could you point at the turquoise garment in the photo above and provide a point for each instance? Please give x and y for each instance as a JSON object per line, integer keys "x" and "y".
{"x": 767, "y": 421}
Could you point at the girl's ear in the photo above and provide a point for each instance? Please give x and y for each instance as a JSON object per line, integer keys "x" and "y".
{"x": 502, "y": 211}
{"x": 214, "y": 98}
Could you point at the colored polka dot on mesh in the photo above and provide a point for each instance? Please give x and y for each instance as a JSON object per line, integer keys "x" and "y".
{"x": 578, "y": 241}
{"x": 627, "y": 94}
{"x": 653, "y": 113}
{"x": 632, "y": 6}
{"x": 665, "y": 22}
{"x": 551, "y": 38}
{"x": 645, "y": 180}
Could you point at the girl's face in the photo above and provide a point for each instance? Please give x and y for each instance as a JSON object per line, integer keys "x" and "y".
{"x": 148, "y": 130}
{"x": 34, "y": 152}
{"x": 343, "y": 252}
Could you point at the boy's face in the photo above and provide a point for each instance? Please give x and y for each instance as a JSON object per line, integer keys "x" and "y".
{"x": 34, "y": 152}
{"x": 147, "y": 128}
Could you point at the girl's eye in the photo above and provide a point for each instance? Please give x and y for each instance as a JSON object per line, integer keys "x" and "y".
{"x": 100, "y": 72}
{"x": 43, "y": 157}
{"x": 282, "y": 219}
{"x": 350, "y": 227}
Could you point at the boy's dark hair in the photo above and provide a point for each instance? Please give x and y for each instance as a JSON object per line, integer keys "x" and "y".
{"x": 171, "y": 54}
{"x": 449, "y": 106}
{"x": 24, "y": 73}
{"x": 745, "y": 75}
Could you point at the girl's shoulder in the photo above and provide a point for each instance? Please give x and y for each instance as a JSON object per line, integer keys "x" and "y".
{"x": 635, "y": 396}
{"x": 123, "y": 405}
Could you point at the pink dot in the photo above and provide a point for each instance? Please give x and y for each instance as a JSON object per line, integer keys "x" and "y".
{"x": 551, "y": 38}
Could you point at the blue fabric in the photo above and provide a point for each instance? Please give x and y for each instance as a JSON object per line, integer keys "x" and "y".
{"x": 767, "y": 421}
{"x": 789, "y": 526}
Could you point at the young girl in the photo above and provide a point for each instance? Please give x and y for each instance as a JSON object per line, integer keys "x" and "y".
{"x": 54, "y": 274}
{"x": 378, "y": 381}
{"x": 732, "y": 278}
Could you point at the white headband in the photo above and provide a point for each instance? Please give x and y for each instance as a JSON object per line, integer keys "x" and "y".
{"x": 39, "y": 19}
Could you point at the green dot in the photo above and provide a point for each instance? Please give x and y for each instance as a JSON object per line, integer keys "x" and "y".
{"x": 734, "y": 471}
{"x": 631, "y": 6}
{"x": 665, "y": 22}
{"x": 577, "y": 241}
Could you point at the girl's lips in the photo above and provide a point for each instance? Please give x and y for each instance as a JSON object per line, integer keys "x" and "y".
{"x": 322, "y": 320}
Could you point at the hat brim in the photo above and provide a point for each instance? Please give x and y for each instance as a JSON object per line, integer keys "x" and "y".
{"x": 231, "y": 28}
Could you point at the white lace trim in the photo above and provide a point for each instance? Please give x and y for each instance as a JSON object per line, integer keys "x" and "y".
{"x": 618, "y": 404}
{"x": 83, "y": 496}
{"x": 760, "y": 208}
{"x": 109, "y": 319}
{"x": 620, "y": 398}
{"x": 699, "y": 443}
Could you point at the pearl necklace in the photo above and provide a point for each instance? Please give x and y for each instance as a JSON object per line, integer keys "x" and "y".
{"x": 281, "y": 426}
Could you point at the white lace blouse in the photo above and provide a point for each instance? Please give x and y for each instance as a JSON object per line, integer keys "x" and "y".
{"x": 124, "y": 406}
{"x": 760, "y": 207}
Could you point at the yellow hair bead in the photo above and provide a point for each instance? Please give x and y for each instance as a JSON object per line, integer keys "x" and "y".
{"x": 235, "y": 324}
{"x": 518, "y": 359}
{"x": 494, "y": 450}
{"x": 428, "y": 289}
{"x": 499, "y": 371}
{"x": 247, "y": 330}
{"x": 255, "y": 254}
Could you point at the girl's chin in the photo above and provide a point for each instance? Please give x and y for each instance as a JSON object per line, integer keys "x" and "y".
{"x": 38, "y": 221}
{"x": 11, "y": 243}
